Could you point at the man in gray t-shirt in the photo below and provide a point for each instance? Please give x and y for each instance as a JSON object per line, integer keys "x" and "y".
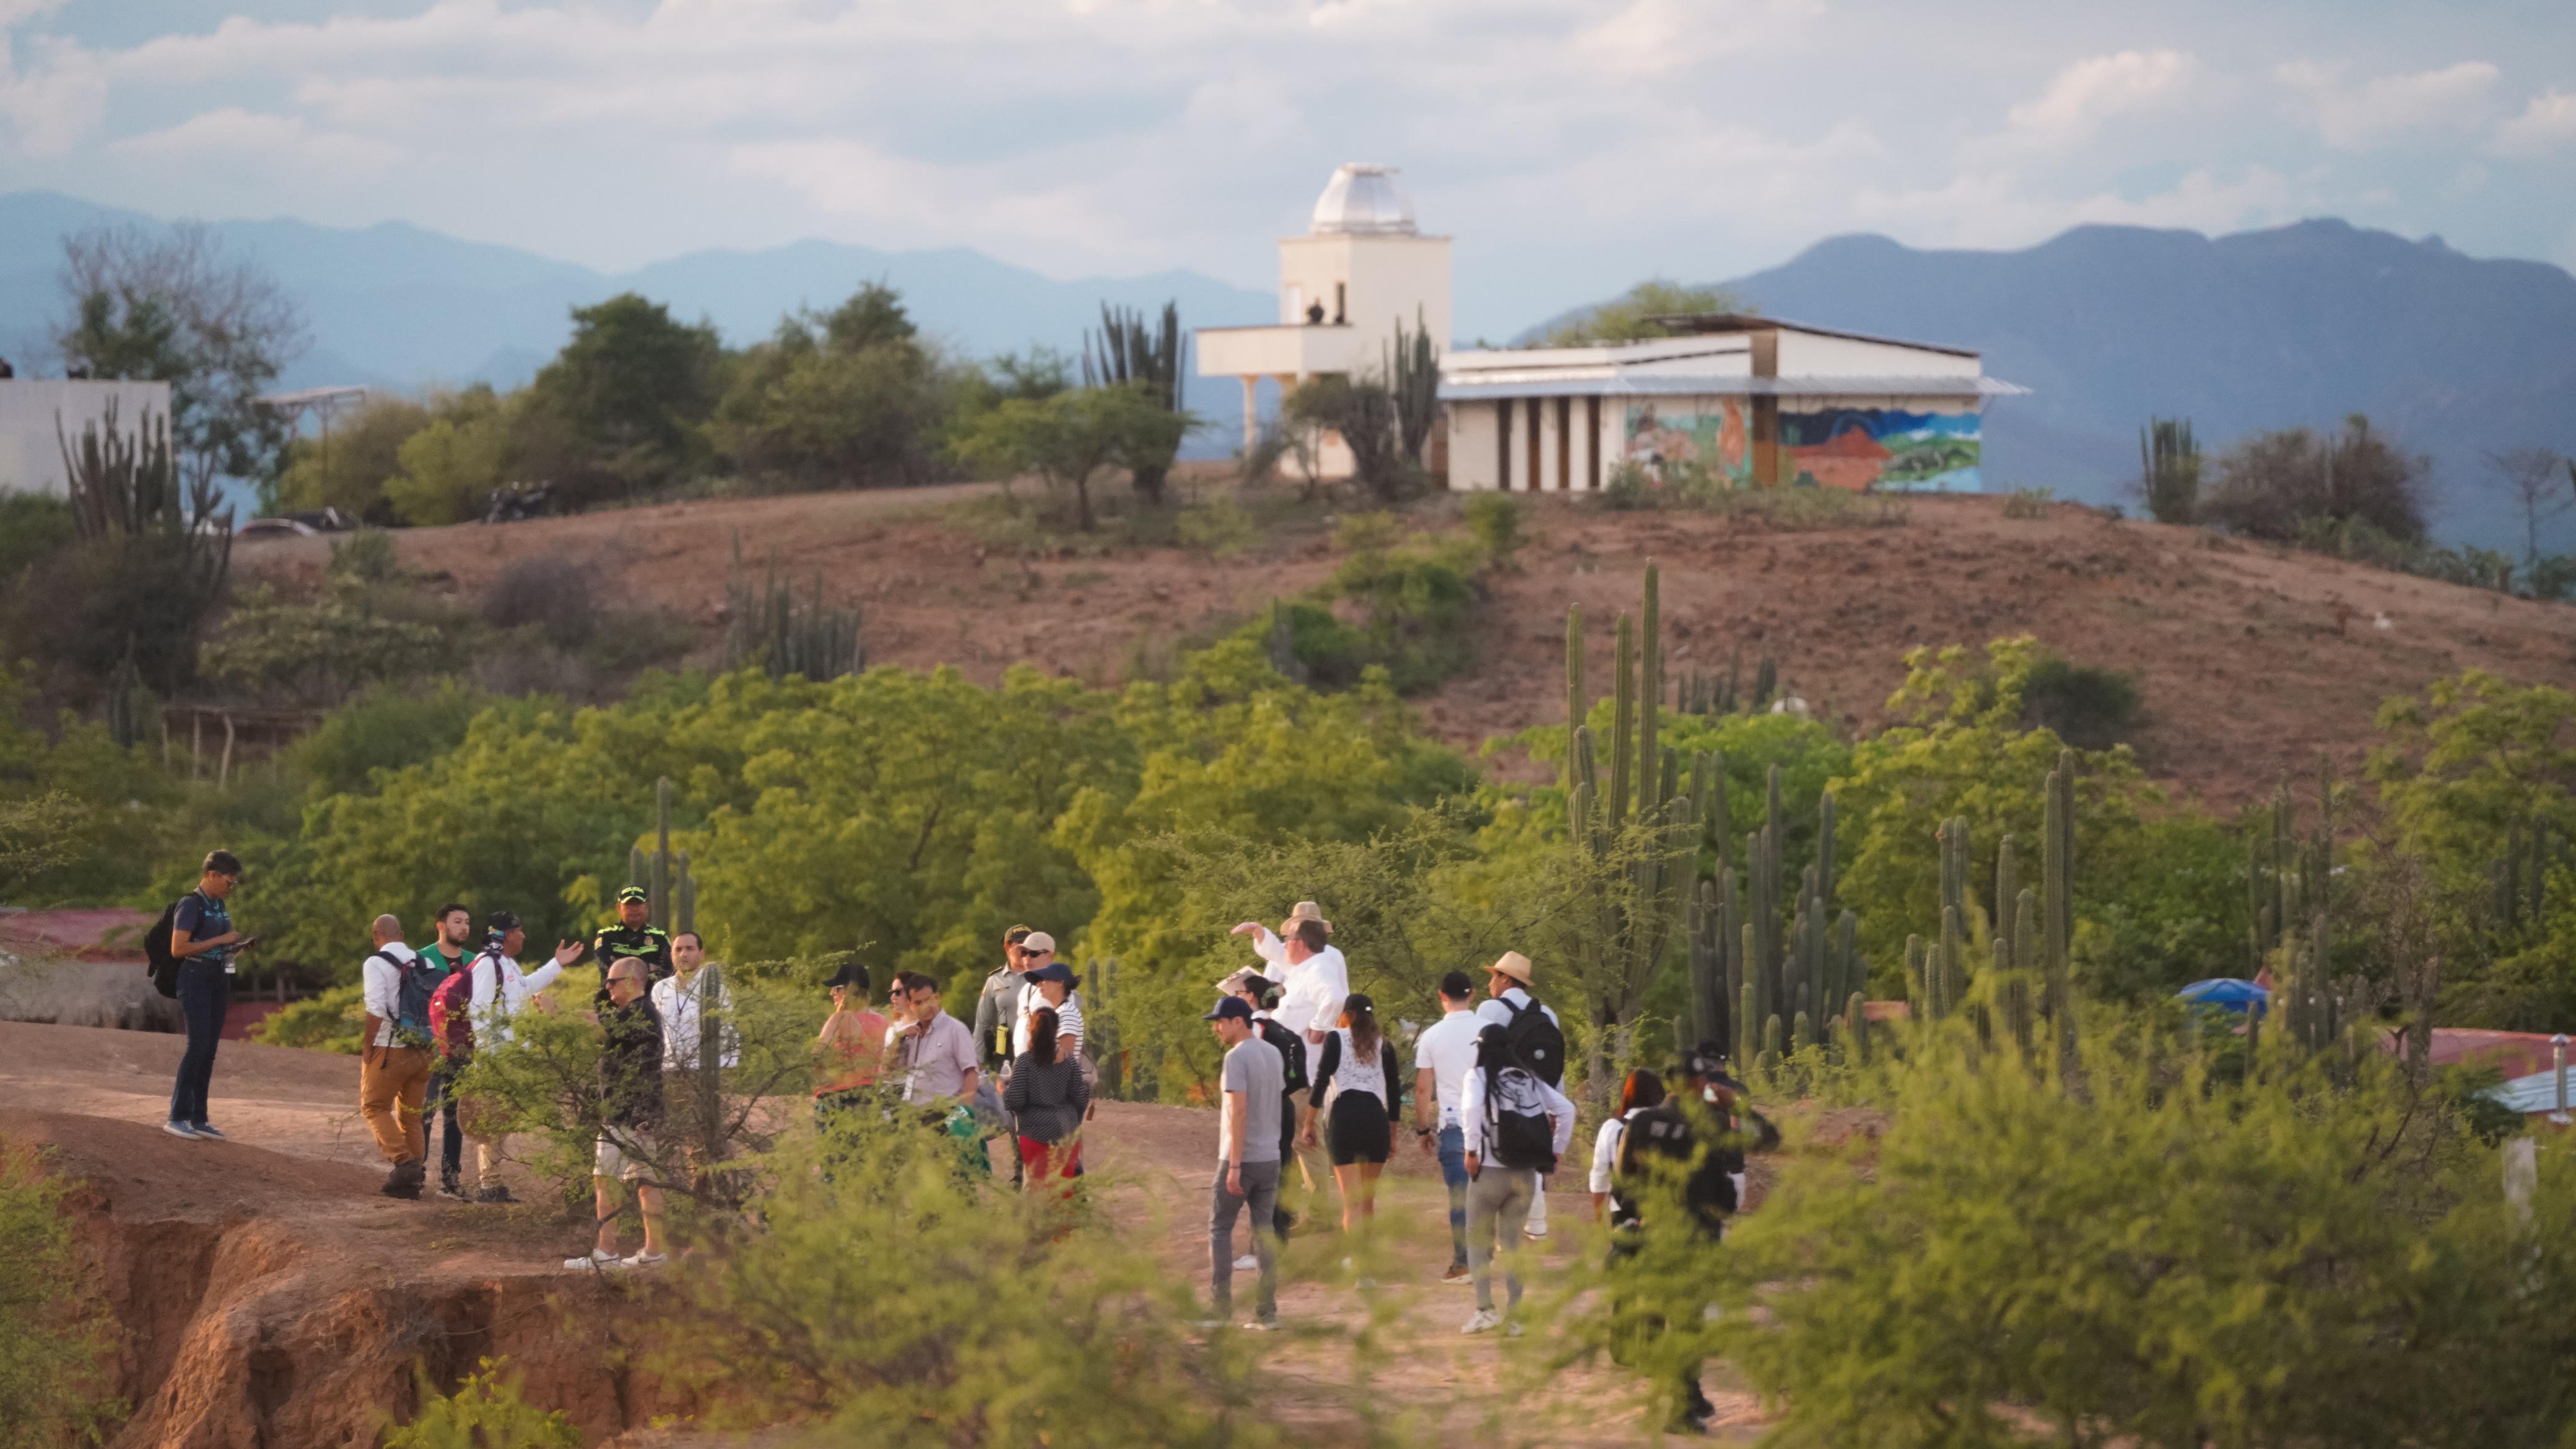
{"x": 1247, "y": 1166}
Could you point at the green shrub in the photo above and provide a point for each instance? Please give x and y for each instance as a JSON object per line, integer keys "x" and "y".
{"x": 32, "y": 526}
{"x": 2029, "y": 502}
{"x": 330, "y": 1022}
{"x": 2089, "y": 707}
{"x": 485, "y": 1412}
{"x": 57, "y": 1341}
{"x": 1500, "y": 525}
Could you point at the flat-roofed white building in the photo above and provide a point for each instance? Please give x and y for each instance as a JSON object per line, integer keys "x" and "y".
{"x": 31, "y": 453}
{"x": 1749, "y": 400}
{"x": 1362, "y": 269}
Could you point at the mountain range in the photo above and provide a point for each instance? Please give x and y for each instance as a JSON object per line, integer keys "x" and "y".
{"x": 2453, "y": 355}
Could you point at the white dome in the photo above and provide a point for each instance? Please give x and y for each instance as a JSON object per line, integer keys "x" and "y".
{"x": 1362, "y": 198}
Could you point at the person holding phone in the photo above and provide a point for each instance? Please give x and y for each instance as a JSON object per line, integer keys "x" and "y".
{"x": 205, "y": 944}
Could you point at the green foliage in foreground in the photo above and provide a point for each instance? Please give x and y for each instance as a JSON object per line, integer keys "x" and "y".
{"x": 2180, "y": 1249}
{"x": 56, "y": 1341}
{"x": 485, "y": 1412}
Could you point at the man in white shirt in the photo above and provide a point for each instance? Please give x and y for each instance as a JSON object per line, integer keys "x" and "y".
{"x": 1507, "y": 990}
{"x": 1311, "y": 973}
{"x": 393, "y": 1070}
{"x": 1443, "y": 1055}
{"x": 933, "y": 1051}
{"x": 501, "y": 991}
{"x": 677, "y": 1001}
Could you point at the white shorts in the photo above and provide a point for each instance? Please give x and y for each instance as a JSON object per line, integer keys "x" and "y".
{"x": 610, "y": 1160}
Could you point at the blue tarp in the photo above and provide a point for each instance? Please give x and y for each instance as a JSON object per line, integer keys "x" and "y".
{"x": 2228, "y": 994}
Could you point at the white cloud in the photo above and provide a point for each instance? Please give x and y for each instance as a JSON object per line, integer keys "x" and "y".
{"x": 2090, "y": 91}
{"x": 232, "y": 134}
{"x": 1659, "y": 37}
{"x": 2356, "y": 118}
{"x": 2548, "y": 123}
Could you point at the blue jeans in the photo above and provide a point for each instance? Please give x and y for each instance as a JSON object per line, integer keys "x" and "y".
{"x": 205, "y": 992}
{"x": 440, "y": 1112}
{"x": 1453, "y": 1172}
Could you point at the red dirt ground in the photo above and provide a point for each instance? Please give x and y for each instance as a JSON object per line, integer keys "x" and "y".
{"x": 2252, "y": 659}
{"x": 270, "y": 1297}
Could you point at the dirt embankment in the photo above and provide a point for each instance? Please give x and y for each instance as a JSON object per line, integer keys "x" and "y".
{"x": 2252, "y": 659}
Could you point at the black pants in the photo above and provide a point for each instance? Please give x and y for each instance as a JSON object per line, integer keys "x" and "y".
{"x": 1280, "y": 1218}
{"x": 205, "y": 993}
{"x": 439, "y": 1111}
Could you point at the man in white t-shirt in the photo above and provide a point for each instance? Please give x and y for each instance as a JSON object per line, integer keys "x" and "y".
{"x": 1443, "y": 1055}
{"x": 1310, "y": 970}
{"x": 1507, "y": 986}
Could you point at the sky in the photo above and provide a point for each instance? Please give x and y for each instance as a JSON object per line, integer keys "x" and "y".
{"x": 1571, "y": 146}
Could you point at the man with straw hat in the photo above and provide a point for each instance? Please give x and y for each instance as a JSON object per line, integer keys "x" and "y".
{"x": 1537, "y": 1038}
{"x": 1311, "y": 973}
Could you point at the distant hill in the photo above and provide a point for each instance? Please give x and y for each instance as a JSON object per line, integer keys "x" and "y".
{"x": 397, "y": 306}
{"x": 2263, "y": 329}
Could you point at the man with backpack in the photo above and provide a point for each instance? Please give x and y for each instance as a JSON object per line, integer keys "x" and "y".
{"x": 394, "y": 1056}
{"x": 447, "y": 956}
{"x": 191, "y": 951}
{"x": 1700, "y": 1129}
{"x": 1262, "y": 994}
{"x": 473, "y": 1008}
{"x": 1537, "y": 1038}
{"x": 1516, "y": 1126}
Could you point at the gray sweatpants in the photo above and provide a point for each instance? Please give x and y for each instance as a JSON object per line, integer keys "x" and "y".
{"x": 1261, "y": 1196}
{"x": 1499, "y": 1197}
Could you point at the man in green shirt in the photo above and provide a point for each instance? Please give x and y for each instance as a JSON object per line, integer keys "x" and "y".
{"x": 446, "y": 954}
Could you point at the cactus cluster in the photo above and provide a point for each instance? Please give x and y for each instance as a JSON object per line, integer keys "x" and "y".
{"x": 2291, "y": 877}
{"x": 2169, "y": 469}
{"x": 1710, "y": 695}
{"x": 664, "y": 874}
{"x": 1766, "y": 988}
{"x": 2028, "y": 932}
{"x": 1638, "y": 831}
{"x": 2522, "y": 874}
{"x": 770, "y": 627}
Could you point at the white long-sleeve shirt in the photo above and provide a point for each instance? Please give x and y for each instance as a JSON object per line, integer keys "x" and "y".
{"x": 501, "y": 991}
{"x": 675, "y": 1000}
{"x": 380, "y": 983}
{"x": 1310, "y": 992}
{"x": 1605, "y": 1151}
{"x": 1471, "y": 1113}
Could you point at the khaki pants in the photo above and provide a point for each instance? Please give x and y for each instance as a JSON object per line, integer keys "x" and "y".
{"x": 392, "y": 1083}
{"x": 482, "y": 1164}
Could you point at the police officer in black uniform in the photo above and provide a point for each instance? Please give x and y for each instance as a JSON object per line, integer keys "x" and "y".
{"x": 632, "y": 937}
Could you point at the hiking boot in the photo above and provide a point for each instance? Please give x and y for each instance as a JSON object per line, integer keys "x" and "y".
{"x": 180, "y": 1129}
{"x": 451, "y": 1186}
{"x": 207, "y": 1129}
{"x": 403, "y": 1182}
{"x": 494, "y": 1193}
{"x": 1458, "y": 1273}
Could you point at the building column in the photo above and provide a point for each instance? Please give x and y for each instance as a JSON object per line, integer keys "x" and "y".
{"x": 1251, "y": 413}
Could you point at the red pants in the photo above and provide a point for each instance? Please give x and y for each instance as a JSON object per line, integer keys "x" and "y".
{"x": 1040, "y": 1159}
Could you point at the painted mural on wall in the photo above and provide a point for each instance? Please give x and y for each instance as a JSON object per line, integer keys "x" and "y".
{"x": 1711, "y": 433}
{"x": 1883, "y": 448}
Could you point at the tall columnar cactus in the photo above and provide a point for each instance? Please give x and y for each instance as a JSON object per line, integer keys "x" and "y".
{"x": 2522, "y": 874}
{"x": 2169, "y": 468}
{"x": 1638, "y": 831}
{"x": 664, "y": 873}
{"x": 770, "y": 627}
{"x": 2057, "y": 904}
{"x": 1151, "y": 356}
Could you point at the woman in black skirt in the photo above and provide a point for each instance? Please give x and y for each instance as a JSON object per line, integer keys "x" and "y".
{"x": 1357, "y": 1090}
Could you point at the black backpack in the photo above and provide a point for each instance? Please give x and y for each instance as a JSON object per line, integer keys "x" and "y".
{"x": 1537, "y": 1041}
{"x": 411, "y": 999}
{"x": 1517, "y": 1132}
{"x": 157, "y": 957}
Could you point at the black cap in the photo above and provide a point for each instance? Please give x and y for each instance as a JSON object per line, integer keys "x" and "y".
{"x": 502, "y": 922}
{"x": 1708, "y": 1059}
{"x": 851, "y": 973}
{"x": 1229, "y": 1008}
{"x": 1055, "y": 971}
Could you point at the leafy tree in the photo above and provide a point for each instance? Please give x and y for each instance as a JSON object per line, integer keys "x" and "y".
{"x": 447, "y": 470}
{"x": 632, "y": 387}
{"x": 1630, "y": 316}
{"x": 33, "y": 527}
{"x": 850, "y": 397}
{"x": 2161, "y": 1256}
{"x": 1070, "y": 438}
{"x": 2283, "y": 486}
{"x": 1361, "y": 412}
{"x": 348, "y": 468}
{"x": 168, "y": 304}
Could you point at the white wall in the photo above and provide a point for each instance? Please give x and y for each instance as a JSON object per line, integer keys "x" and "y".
{"x": 1384, "y": 279}
{"x": 31, "y": 456}
{"x": 1803, "y": 354}
{"x": 1471, "y": 447}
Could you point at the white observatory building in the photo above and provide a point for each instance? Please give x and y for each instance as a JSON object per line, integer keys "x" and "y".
{"x": 1362, "y": 268}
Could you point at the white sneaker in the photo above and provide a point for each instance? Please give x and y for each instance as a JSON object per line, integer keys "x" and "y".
{"x": 1485, "y": 1321}
{"x": 594, "y": 1259}
{"x": 1247, "y": 1264}
{"x": 1512, "y": 1329}
{"x": 1261, "y": 1325}
{"x": 645, "y": 1260}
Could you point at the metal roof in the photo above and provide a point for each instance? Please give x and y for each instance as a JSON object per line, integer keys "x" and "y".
{"x": 1721, "y": 323}
{"x": 2535, "y": 1093}
{"x": 1361, "y": 198}
{"x": 1612, "y": 382}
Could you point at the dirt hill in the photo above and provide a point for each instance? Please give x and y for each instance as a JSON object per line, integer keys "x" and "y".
{"x": 2252, "y": 659}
